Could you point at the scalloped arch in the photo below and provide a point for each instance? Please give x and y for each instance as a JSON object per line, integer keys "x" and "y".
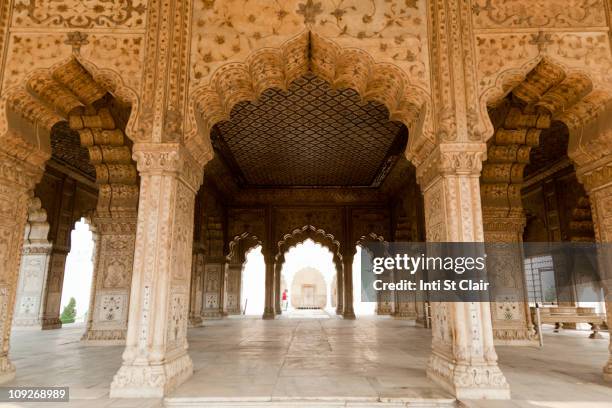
{"x": 300, "y": 235}
{"x": 341, "y": 67}
{"x": 252, "y": 239}
{"x": 109, "y": 79}
{"x": 510, "y": 79}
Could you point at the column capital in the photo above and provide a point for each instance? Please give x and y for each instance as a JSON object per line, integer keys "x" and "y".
{"x": 595, "y": 175}
{"x": 19, "y": 172}
{"x": 497, "y": 220}
{"x": 452, "y": 159}
{"x": 168, "y": 158}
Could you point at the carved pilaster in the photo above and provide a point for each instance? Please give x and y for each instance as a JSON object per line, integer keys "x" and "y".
{"x": 17, "y": 181}
{"x": 597, "y": 179}
{"x": 509, "y": 307}
{"x": 155, "y": 359}
{"x": 114, "y": 260}
{"x": 233, "y": 288}
{"x": 214, "y": 275}
{"x": 463, "y": 358}
{"x": 196, "y": 296}
{"x": 34, "y": 266}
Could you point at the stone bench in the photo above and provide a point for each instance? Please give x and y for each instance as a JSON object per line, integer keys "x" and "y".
{"x": 560, "y": 315}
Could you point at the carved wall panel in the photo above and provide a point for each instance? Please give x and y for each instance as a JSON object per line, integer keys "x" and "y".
{"x": 228, "y": 31}
{"x": 574, "y": 34}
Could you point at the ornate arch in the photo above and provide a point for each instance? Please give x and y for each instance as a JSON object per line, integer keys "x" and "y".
{"x": 341, "y": 67}
{"x": 243, "y": 243}
{"x": 318, "y": 235}
{"x": 526, "y": 104}
{"x": 572, "y": 78}
{"x": 69, "y": 92}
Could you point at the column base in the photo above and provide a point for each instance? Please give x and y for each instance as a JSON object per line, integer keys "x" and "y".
{"x": 195, "y": 321}
{"x": 514, "y": 337}
{"x": 405, "y": 316}
{"x": 468, "y": 381}
{"x": 350, "y": 315}
{"x": 7, "y": 370}
{"x": 27, "y": 323}
{"x": 104, "y": 337}
{"x": 268, "y": 315}
{"x": 339, "y": 310}
{"x": 212, "y": 315}
{"x": 151, "y": 381}
{"x": 51, "y": 323}
{"x": 607, "y": 370}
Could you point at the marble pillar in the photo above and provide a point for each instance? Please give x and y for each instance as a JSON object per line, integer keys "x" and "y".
{"x": 196, "y": 294}
{"x": 278, "y": 268}
{"x": 17, "y": 181}
{"x": 114, "y": 258}
{"x": 339, "y": 286}
{"x": 233, "y": 288}
{"x": 347, "y": 274}
{"x": 34, "y": 266}
{"x": 463, "y": 359}
{"x": 155, "y": 359}
{"x": 597, "y": 179}
{"x": 270, "y": 261}
{"x": 214, "y": 276}
{"x": 512, "y": 325}
{"x": 63, "y": 226}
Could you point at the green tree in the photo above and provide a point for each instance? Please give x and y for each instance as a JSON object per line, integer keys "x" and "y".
{"x": 69, "y": 312}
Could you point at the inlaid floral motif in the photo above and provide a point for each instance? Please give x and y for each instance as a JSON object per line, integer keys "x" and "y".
{"x": 79, "y": 13}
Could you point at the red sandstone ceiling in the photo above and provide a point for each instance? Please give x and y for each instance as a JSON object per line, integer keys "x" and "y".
{"x": 310, "y": 135}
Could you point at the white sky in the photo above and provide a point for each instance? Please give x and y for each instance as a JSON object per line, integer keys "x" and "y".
{"x": 79, "y": 269}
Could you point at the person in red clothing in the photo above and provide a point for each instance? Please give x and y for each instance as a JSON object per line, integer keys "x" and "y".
{"x": 285, "y": 303}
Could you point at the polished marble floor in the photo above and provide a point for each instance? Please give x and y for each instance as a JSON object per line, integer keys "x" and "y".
{"x": 314, "y": 362}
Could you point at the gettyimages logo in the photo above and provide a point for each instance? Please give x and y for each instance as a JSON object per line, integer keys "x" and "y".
{"x": 482, "y": 272}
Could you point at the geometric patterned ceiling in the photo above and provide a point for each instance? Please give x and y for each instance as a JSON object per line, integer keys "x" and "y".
{"x": 551, "y": 149}
{"x": 66, "y": 149}
{"x": 310, "y": 135}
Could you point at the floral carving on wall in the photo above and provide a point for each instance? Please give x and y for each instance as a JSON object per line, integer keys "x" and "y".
{"x": 499, "y": 53}
{"x": 538, "y": 13}
{"x": 226, "y": 31}
{"x": 80, "y": 13}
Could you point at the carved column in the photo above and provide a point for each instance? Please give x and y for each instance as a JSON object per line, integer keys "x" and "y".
{"x": 17, "y": 181}
{"x": 214, "y": 274}
{"x": 597, "y": 179}
{"x": 511, "y": 318}
{"x": 347, "y": 274}
{"x": 116, "y": 234}
{"x": 278, "y": 268}
{"x": 64, "y": 223}
{"x": 270, "y": 261}
{"x": 233, "y": 287}
{"x": 463, "y": 358}
{"x": 155, "y": 359}
{"x": 197, "y": 287}
{"x": 339, "y": 285}
{"x": 34, "y": 266}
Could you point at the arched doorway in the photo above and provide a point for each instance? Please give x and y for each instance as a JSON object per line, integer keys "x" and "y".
{"x": 253, "y": 283}
{"x": 78, "y": 275}
{"x": 309, "y": 273}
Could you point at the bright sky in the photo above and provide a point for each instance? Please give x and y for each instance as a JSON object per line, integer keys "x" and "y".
{"x": 79, "y": 269}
